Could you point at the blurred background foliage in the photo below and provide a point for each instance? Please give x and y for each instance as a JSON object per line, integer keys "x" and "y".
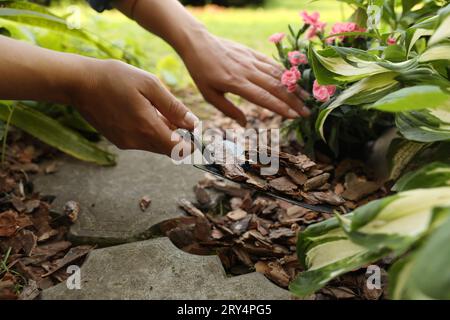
{"x": 250, "y": 25}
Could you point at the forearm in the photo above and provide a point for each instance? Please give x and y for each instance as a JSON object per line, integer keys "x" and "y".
{"x": 32, "y": 73}
{"x": 167, "y": 19}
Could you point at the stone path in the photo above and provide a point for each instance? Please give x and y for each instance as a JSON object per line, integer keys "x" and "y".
{"x": 156, "y": 269}
{"x": 109, "y": 196}
{"x": 131, "y": 267}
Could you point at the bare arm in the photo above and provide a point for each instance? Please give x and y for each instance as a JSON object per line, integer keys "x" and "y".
{"x": 33, "y": 73}
{"x": 217, "y": 66}
{"x": 127, "y": 105}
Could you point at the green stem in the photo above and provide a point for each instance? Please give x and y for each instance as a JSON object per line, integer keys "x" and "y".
{"x": 5, "y": 136}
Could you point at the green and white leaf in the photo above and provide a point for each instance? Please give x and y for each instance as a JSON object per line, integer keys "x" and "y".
{"x": 437, "y": 52}
{"x": 424, "y": 274}
{"x": 364, "y": 91}
{"x": 56, "y": 135}
{"x": 400, "y": 153}
{"x": 435, "y": 174}
{"x": 328, "y": 251}
{"x": 414, "y": 98}
{"x": 429, "y": 125}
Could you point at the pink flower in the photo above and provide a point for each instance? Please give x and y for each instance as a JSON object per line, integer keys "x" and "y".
{"x": 277, "y": 37}
{"x": 323, "y": 93}
{"x": 296, "y": 58}
{"x": 290, "y": 78}
{"x": 310, "y": 19}
{"x": 341, "y": 27}
{"x": 391, "y": 41}
{"x": 313, "y": 21}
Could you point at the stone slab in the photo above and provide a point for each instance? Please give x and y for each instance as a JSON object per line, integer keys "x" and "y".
{"x": 109, "y": 196}
{"x": 156, "y": 269}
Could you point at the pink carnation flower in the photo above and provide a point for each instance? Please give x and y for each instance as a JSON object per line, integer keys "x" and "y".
{"x": 323, "y": 93}
{"x": 290, "y": 78}
{"x": 313, "y": 21}
{"x": 391, "y": 41}
{"x": 277, "y": 37}
{"x": 341, "y": 27}
{"x": 310, "y": 19}
{"x": 296, "y": 58}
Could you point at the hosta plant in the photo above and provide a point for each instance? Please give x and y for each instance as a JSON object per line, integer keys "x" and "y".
{"x": 362, "y": 78}
{"x": 355, "y": 66}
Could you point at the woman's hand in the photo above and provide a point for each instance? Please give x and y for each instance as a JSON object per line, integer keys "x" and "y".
{"x": 130, "y": 107}
{"x": 217, "y": 66}
{"x": 220, "y": 66}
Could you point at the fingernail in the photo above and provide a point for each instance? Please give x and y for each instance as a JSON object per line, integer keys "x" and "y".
{"x": 306, "y": 112}
{"x": 292, "y": 114}
{"x": 191, "y": 119}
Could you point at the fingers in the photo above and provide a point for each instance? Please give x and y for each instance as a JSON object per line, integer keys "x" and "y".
{"x": 226, "y": 106}
{"x": 274, "y": 72}
{"x": 265, "y": 99}
{"x": 169, "y": 106}
{"x": 263, "y": 58}
{"x": 158, "y": 134}
{"x": 277, "y": 90}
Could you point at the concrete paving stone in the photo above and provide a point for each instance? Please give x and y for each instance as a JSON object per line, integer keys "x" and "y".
{"x": 156, "y": 269}
{"x": 109, "y": 196}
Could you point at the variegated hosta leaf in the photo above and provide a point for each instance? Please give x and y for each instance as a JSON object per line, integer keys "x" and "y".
{"x": 389, "y": 225}
{"x": 425, "y": 273}
{"x": 399, "y": 222}
{"x": 362, "y": 92}
{"x": 429, "y": 176}
{"x": 437, "y": 52}
{"x": 400, "y": 154}
{"x": 428, "y": 125}
{"x": 414, "y": 98}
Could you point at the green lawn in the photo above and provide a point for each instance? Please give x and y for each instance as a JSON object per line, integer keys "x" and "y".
{"x": 250, "y": 26}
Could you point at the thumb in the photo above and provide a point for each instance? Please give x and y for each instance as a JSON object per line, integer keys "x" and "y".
{"x": 171, "y": 108}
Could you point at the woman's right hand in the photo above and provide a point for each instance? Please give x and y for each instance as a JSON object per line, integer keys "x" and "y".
{"x": 129, "y": 106}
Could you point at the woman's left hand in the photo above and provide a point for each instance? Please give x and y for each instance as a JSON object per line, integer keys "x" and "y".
{"x": 221, "y": 66}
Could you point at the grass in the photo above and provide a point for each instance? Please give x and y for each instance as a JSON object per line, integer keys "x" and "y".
{"x": 250, "y": 26}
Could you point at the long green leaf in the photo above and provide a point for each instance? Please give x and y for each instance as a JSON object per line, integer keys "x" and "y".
{"x": 414, "y": 98}
{"x": 425, "y": 274}
{"x": 53, "y": 133}
{"x": 364, "y": 91}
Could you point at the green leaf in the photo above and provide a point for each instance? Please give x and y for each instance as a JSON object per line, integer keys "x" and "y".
{"x": 386, "y": 226}
{"x": 38, "y": 16}
{"x": 53, "y": 133}
{"x": 428, "y": 125}
{"x": 414, "y": 98}
{"x": 437, "y": 52}
{"x": 442, "y": 32}
{"x": 395, "y": 53}
{"x": 401, "y": 152}
{"x": 364, "y": 91}
{"x": 424, "y": 274}
{"x": 436, "y": 174}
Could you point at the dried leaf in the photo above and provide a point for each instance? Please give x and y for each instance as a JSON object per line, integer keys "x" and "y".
{"x": 281, "y": 233}
{"x": 234, "y": 172}
{"x": 190, "y": 208}
{"x": 297, "y": 176}
{"x": 283, "y": 184}
{"x": 74, "y": 253}
{"x": 328, "y": 197}
{"x": 357, "y": 188}
{"x": 237, "y": 214}
{"x": 316, "y": 182}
